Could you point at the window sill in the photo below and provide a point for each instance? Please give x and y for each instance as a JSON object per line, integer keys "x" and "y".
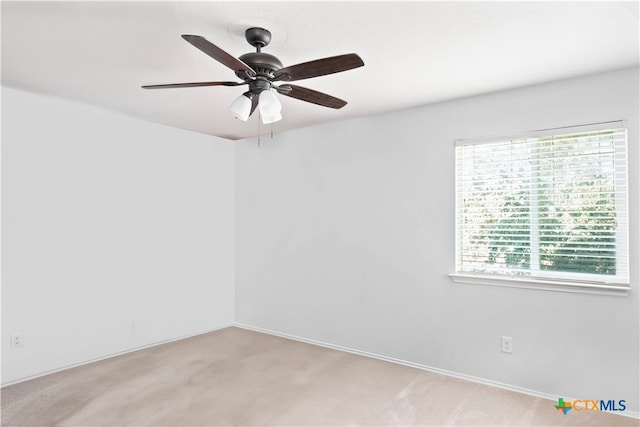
{"x": 542, "y": 284}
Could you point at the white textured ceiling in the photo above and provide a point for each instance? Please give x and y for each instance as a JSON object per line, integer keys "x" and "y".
{"x": 415, "y": 53}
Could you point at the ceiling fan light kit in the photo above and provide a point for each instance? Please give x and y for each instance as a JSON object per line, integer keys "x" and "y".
{"x": 269, "y": 104}
{"x": 272, "y": 118}
{"x": 261, "y": 70}
{"x": 241, "y": 107}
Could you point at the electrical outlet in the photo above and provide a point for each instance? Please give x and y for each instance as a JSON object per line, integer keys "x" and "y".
{"x": 16, "y": 339}
{"x": 507, "y": 345}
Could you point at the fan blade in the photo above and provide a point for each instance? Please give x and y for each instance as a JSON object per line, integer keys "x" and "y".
{"x": 174, "y": 85}
{"x": 311, "y": 95}
{"x": 319, "y": 67}
{"x": 218, "y": 54}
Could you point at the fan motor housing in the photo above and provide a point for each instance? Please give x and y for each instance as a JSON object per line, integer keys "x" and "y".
{"x": 262, "y": 63}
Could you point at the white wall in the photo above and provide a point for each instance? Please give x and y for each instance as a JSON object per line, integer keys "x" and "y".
{"x": 345, "y": 235}
{"x": 117, "y": 233}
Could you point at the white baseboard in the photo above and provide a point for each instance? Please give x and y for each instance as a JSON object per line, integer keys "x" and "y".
{"x": 108, "y": 356}
{"x": 484, "y": 381}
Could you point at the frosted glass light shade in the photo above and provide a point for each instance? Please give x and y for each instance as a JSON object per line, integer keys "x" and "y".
{"x": 269, "y": 104}
{"x": 272, "y": 118}
{"x": 241, "y": 107}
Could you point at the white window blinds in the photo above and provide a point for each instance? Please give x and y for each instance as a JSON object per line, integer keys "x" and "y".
{"x": 548, "y": 205}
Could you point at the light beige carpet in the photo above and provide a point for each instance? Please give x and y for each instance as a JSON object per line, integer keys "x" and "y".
{"x": 239, "y": 377}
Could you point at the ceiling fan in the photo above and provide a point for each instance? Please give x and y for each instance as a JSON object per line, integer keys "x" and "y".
{"x": 261, "y": 70}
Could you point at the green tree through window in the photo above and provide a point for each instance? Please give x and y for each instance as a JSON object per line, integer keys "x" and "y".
{"x": 547, "y": 206}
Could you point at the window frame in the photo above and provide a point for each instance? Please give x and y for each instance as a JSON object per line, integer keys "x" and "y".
{"x": 550, "y": 281}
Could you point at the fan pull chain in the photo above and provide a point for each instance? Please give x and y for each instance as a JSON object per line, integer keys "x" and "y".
{"x": 259, "y": 130}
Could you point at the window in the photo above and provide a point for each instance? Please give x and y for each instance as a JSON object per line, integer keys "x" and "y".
{"x": 547, "y": 209}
